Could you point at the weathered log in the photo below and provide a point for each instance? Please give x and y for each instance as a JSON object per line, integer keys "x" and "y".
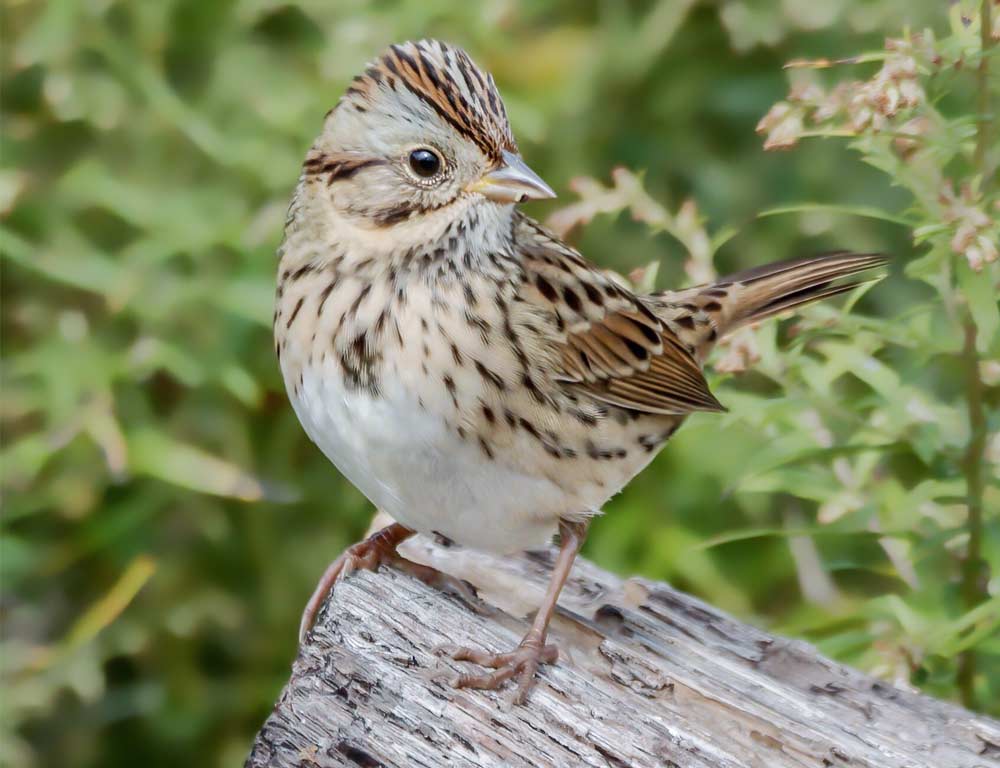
{"x": 647, "y": 676}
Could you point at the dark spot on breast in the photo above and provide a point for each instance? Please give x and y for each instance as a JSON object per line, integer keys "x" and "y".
{"x": 360, "y": 344}
{"x": 528, "y": 427}
{"x": 529, "y": 384}
{"x": 596, "y": 453}
{"x": 485, "y": 447}
{"x": 489, "y": 375}
{"x": 488, "y": 413}
{"x": 685, "y": 321}
{"x": 712, "y": 306}
{"x": 324, "y": 296}
{"x": 470, "y": 296}
{"x": 295, "y": 312}
{"x": 301, "y": 271}
{"x": 361, "y": 297}
{"x": 648, "y": 442}
{"x": 583, "y": 417}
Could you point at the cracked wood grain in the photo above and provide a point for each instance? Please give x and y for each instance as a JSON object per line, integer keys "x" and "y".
{"x": 647, "y": 676}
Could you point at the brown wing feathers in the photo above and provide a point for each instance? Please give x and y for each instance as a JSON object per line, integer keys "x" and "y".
{"x": 634, "y": 359}
{"x": 629, "y": 358}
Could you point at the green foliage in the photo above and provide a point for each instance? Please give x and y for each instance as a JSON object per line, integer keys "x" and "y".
{"x": 165, "y": 515}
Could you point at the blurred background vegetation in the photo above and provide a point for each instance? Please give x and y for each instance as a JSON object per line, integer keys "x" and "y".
{"x": 165, "y": 517}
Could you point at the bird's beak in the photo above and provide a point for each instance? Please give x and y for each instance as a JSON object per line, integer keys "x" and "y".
{"x": 512, "y": 182}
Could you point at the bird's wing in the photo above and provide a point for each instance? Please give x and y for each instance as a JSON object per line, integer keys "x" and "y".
{"x": 609, "y": 342}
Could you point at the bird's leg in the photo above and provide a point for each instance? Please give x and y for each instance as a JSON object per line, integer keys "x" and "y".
{"x": 380, "y": 549}
{"x": 532, "y": 651}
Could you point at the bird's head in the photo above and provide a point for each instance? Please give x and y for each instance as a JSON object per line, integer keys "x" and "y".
{"x": 421, "y": 130}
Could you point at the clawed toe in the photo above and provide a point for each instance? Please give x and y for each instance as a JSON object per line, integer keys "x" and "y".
{"x": 522, "y": 663}
{"x": 378, "y": 548}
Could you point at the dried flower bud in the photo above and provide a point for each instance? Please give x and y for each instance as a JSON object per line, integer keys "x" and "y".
{"x": 963, "y": 238}
{"x": 782, "y": 126}
{"x": 911, "y": 93}
{"x": 775, "y": 115}
{"x": 915, "y": 127}
{"x": 980, "y": 253}
{"x": 887, "y": 100}
{"x": 806, "y": 93}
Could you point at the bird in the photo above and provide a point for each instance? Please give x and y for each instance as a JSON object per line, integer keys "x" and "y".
{"x": 474, "y": 376}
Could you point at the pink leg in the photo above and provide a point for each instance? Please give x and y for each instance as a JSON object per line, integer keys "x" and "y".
{"x": 380, "y": 549}
{"x": 367, "y": 555}
{"x": 532, "y": 651}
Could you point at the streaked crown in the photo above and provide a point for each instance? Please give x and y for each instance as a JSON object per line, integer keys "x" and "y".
{"x": 447, "y": 80}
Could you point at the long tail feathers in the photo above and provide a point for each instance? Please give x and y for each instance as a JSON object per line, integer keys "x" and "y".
{"x": 755, "y": 294}
{"x": 764, "y": 291}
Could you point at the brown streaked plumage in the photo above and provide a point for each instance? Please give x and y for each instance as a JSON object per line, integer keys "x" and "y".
{"x": 445, "y": 79}
{"x": 469, "y": 372}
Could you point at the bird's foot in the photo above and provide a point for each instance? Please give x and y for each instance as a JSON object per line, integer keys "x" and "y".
{"x": 377, "y": 550}
{"x": 521, "y": 663}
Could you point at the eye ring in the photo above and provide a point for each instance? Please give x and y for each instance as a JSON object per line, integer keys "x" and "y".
{"x": 425, "y": 162}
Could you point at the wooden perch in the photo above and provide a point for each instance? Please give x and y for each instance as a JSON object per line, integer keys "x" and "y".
{"x": 647, "y": 676}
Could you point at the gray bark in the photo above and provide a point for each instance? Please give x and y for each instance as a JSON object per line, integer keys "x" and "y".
{"x": 647, "y": 676}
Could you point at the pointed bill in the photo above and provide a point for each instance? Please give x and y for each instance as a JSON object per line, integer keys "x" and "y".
{"x": 512, "y": 182}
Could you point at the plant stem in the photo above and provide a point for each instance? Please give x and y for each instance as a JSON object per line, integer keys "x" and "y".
{"x": 973, "y": 581}
{"x": 984, "y": 127}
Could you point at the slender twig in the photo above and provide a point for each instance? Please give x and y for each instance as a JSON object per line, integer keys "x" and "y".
{"x": 973, "y": 583}
{"x": 984, "y": 123}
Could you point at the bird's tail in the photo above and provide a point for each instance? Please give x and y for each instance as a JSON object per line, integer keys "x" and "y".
{"x": 703, "y": 315}
{"x": 773, "y": 288}
{"x": 755, "y": 294}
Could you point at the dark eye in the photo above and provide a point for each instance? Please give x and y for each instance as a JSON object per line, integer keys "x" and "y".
{"x": 425, "y": 163}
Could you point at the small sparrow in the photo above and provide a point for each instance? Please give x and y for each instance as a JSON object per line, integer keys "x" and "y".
{"x": 473, "y": 375}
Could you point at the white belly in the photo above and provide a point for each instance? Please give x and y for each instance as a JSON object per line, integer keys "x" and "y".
{"x": 412, "y": 466}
